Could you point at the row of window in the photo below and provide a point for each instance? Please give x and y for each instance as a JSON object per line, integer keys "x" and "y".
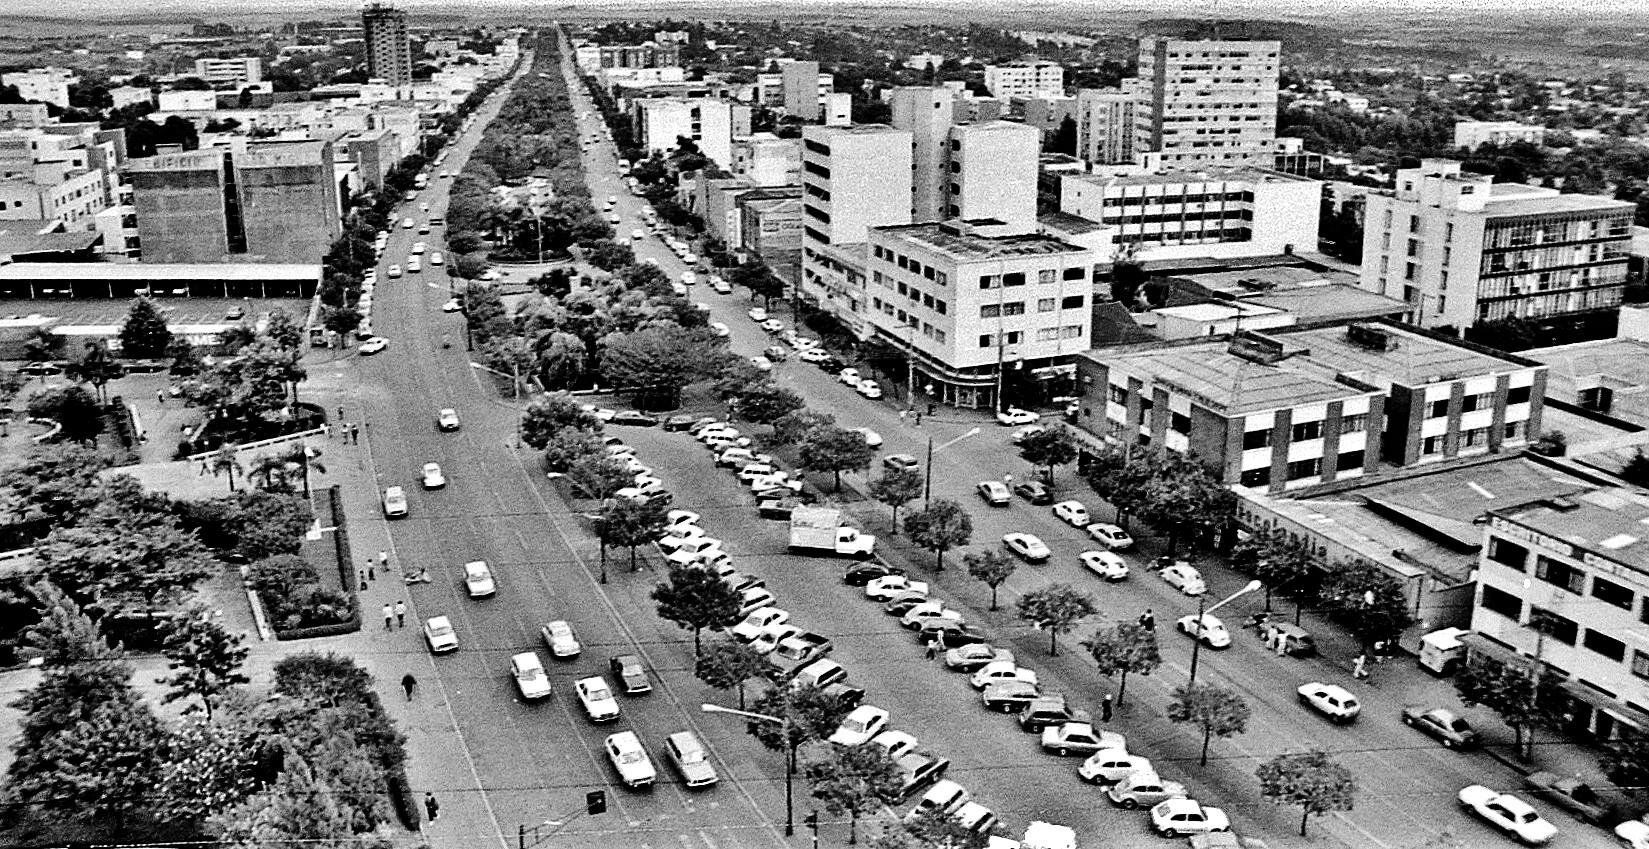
{"x": 1070, "y": 302}
{"x": 1303, "y": 431}
{"x": 1200, "y": 197}
{"x": 1563, "y": 629}
{"x": 1044, "y": 276}
{"x": 910, "y": 264}
{"x": 1302, "y": 469}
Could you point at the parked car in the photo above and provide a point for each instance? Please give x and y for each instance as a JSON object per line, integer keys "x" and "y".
{"x": 631, "y": 674}
{"x": 1175, "y": 817}
{"x": 1028, "y": 547}
{"x": 1000, "y": 670}
{"x": 872, "y": 438}
{"x": 973, "y": 657}
{"x": 994, "y": 493}
{"x": 1108, "y": 766}
{"x": 690, "y": 759}
{"x": 373, "y": 345}
{"x": 758, "y": 621}
{"x": 1015, "y": 417}
{"x": 886, "y": 587}
{"x": 897, "y": 743}
{"x": 1331, "y": 700}
{"x": 900, "y": 461}
{"x": 632, "y": 419}
{"x": 1105, "y": 564}
{"x": 629, "y": 757}
{"x": 944, "y": 797}
{"x": 679, "y": 423}
{"x": 949, "y": 635}
{"x": 1570, "y": 793}
{"x": 1444, "y": 724}
{"x": 478, "y": 579}
{"x": 861, "y": 724}
{"x": 528, "y": 672}
{"x": 1110, "y": 535}
{"x": 1211, "y": 631}
{"x": 848, "y": 376}
{"x": 558, "y": 635}
{"x": 597, "y": 699}
{"x": 1049, "y": 709}
{"x": 439, "y": 635}
{"x": 1142, "y": 789}
{"x": 1008, "y": 696}
{"x": 861, "y": 573}
{"x": 869, "y": 388}
{"x": 1185, "y": 579}
{"x": 1033, "y": 492}
{"x": 1072, "y": 513}
{"x": 919, "y": 768}
{"x": 1507, "y": 813}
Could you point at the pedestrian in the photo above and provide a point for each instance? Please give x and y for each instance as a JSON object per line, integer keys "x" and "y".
{"x": 389, "y": 617}
{"x": 355, "y": 433}
{"x": 326, "y": 430}
{"x": 383, "y": 559}
{"x": 1359, "y": 667}
{"x": 160, "y": 395}
{"x": 902, "y": 414}
{"x": 400, "y": 613}
{"x": 409, "y": 684}
{"x": 933, "y": 648}
{"x": 1380, "y": 651}
{"x": 1008, "y": 479}
{"x": 918, "y": 418}
{"x": 1282, "y": 642}
{"x": 932, "y": 408}
{"x": 1148, "y": 620}
{"x": 371, "y": 575}
{"x": 432, "y": 807}
{"x": 363, "y": 580}
{"x": 340, "y": 412}
{"x": 1105, "y": 709}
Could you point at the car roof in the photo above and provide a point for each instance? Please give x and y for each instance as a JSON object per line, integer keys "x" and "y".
{"x": 440, "y": 621}
{"x": 625, "y": 739}
{"x": 1515, "y": 805}
{"x": 527, "y": 658}
{"x": 686, "y": 741}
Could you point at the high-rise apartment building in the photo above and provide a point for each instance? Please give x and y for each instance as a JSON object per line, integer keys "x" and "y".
{"x": 848, "y": 186}
{"x": 388, "y": 51}
{"x": 991, "y": 173}
{"x": 804, "y": 89}
{"x": 277, "y": 202}
{"x": 926, "y": 113}
{"x": 661, "y": 122}
{"x": 1462, "y": 249}
{"x": 1105, "y": 119}
{"x": 1208, "y": 101}
{"x": 1025, "y": 79}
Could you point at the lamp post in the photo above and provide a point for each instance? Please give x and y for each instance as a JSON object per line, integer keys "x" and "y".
{"x": 1196, "y": 644}
{"x": 790, "y": 754}
{"x": 927, "y": 482}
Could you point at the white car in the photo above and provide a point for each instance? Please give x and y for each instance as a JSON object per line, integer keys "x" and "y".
{"x": 1633, "y": 834}
{"x": 758, "y": 621}
{"x": 395, "y": 502}
{"x": 1110, "y": 535}
{"x": 423, "y": 207}
{"x": 721, "y": 286}
{"x": 1175, "y": 817}
{"x": 1072, "y": 513}
{"x": 528, "y": 672}
{"x": 447, "y": 419}
{"x": 720, "y": 329}
{"x": 407, "y": 224}
{"x": 628, "y": 756}
{"x": 433, "y": 478}
{"x": 374, "y": 345}
{"x": 1508, "y": 813}
{"x": 897, "y": 743}
{"x": 888, "y": 586}
{"x": 1185, "y": 578}
{"x": 1001, "y": 670}
{"x": 994, "y": 492}
{"x": 1108, "y": 766}
{"x": 478, "y": 579}
{"x": 437, "y": 258}
{"x": 1025, "y": 433}
{"x": 772, "y": 325}
{"x": 680, "y": 536}
{"x": 597, "y": 698}
{"x": 419, "y": 247}
{"x": 679, "y": 518}
{"x": 761, "y": 363}
{"x": 1015, "y": 417}
{"x": 1211, "y": 630}
{"x": 872, "y": 438}
{"x": 691, "y": 759}
{"x": 757, "y": 314}
{"x": 869, "y": 388}
{"x": 637, "y": 235}
{"x": 558, "y": 635}
{"x": 812, "y": 355}
{"x": 1028, "y": 546}
{"x": 865, "y": 722}
{"x": 452, "y": 305}
{"x": 848, "y": 376}
{"x": 1331, "y": 700}
{"x": 393, "y": 270}
{"x": 1105, "y": 564}
{"x": 440, "y": 636}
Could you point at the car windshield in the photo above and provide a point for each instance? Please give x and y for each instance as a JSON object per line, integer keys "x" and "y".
{"x": 440, "y": 629}
{"x": 631, "y": 757}
{"x": 598, "y": 693}
{"x": 690, "y": 755}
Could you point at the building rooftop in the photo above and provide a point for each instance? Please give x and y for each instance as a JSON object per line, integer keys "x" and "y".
{"x": 1611, "y": 522}
{"x": 1519, "y": 199}
{"x": 953, "y": 241}
{"x": 1216, "y": 311}
{"x": 854, "y": 130}
{"x": 1412, "y": 359}
{"x": 145, "y": 271}
{"x": 1314, "y": 295}
{"x": 1065, "y": 222}
{"x": 1227, "y": 383}
{"x": 1178, "y": 176}
{"x": 193, "y": 160}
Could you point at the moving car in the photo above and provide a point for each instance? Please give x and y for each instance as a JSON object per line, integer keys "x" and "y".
{"x": 452, "y": 305}
{"x": 690, "y": 759}
{"x": 558, "y": 635}
{"x": 1507, "y": 813}
{"x": 994, "y": 493}
{"x": 1105, "y": 564}
{"x": 627, "y": 755}
{"x": 440, "y": 636}
{"x": 1072, "y": 513}
{"x": 433, "y": 478}
{"x": 1015, "y": 417}
{"x": 447, "y": 419}
{"x": 406, "y": 224}
{"x": 1185, "y": 578}
{"x": 373, "y": 345}
{"x": 1442, "y": 723}
{"x": 596, "y": 698}
{"x": 1110, "y": 535}
{"x": 478, "y": 579}
{"x": 1210, "y": 630}
{"x": 528, "y": 672}
{"x": 1175, "y": 817}
{"x": 1028, "y": 547}
{"x": 1331, "y": 700}
{"x": 631, "y": 674}
{"x": 863, "y": 723}
{"x": 395, "y": 502}
{"x": 394, "y": 270}
{"x": 1033, "y": 492}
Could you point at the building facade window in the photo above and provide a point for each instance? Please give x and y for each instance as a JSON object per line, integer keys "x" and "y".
{"x": 1640, "y": 663}
{"x": 1117, "y": 394}
{"x": 1306, "y": 431}
{"x": 1504, "y": 603}
{"x": 1256, "y": 439}
{"x": 1437, "y": 409}
{"x": 1354, "y": 424}
{"x": 1256, "y": 477}
{"x": 1349, "y": 460}
{"x": 1609, "y": 592}
{"x": 1046, "y": 304}
{"x": 1508, "y": 553}
{"x": 1518, "y": 395}
{"x": 1560, "y": 574}
{"x": 1179, "y": 422}
{"x": 1305, "y": 468}
{"x": 1605, "y": 645}
{"x": 1431, "y": 445}
{"x": 1560, "y": 628}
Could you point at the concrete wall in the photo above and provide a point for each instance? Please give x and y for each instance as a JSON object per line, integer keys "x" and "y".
{"x": 181, "y": 215}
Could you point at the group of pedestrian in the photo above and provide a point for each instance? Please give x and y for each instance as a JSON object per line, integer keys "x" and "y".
{"x": 350, "y": 431}
{"x": 395, "y": 614}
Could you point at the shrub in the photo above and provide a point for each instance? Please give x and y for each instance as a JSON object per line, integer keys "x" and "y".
{"x": 292, "y": 593}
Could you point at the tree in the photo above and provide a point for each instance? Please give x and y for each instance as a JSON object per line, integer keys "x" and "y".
{"x": 1625, "y": 760}
{"x": 854, "y": 780}
{"x": 696, "y": 598}
{"x": 119, "y": 557}
{"x": 1311, "y": 780}
{"x": 990, "y": 567}
{"x": 1055, "y": 608}
{"x": 298, "y": 809}
{"x": 792, "y": 427}
{"x": 1218, "y": 711}
{"x": 812, "y": 715}
{"x": 279, "y": 328}
{"x": 340, "y": 320}
{"x": 226, "y": 460}
{"x": 1511, "y": 691}
{"x": 261, "y": 524}
{"x": 1120, "y": 479}
{"x": 765, "y": 403}
{"x": 896, "y": 488}
{"x": 42, "y": 346}
{"x": 760, "y": 280}
{"x": 657, "y": 362}
{"x": 1051, "y": 448}
{"x": 186, "y": 361}
{"x": 729, "y": 663}
{"x": 144, "y": 335}
{"x": 207, "y": 658}
{"x": 629, "y": 522}
{"x": 1123, "y": 648}
{"x": 940, "y": 527}
{"x": 1369, "y": 602}
{"x": 1181, "y": 491}
{"x": 72, "y": 407}
{"x": 96, "y": 368}
{"x": 835, "y": 450}
{"x": 53, "y": 485}
{"x": 564, "y": 448}
{"x": 600, "y": 475}
{"x": 1127, "y": 276}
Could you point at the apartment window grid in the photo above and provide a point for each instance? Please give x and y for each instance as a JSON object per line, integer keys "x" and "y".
{"x": 1560, "y": 574}
{"x": 1560, "y": 628}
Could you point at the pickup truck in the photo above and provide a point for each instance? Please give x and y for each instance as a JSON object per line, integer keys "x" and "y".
{"x": 820, "y": 530}
{"x": 1571, "y": 794}
{"x": 798, "y": 650}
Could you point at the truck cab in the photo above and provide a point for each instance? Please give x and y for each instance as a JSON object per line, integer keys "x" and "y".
{"x": 1442, "y": 652}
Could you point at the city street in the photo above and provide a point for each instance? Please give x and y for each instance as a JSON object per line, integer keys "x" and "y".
{"x": 521, "y": 764}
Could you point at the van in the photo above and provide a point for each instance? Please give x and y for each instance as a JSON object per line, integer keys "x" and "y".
{"x": 1442, "y": 652}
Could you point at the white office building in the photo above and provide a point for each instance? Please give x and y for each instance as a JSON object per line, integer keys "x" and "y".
{"x": 1105, "y": 121}
{"x": 1474, "y": 134}
{"x": 238, "y": 71}
{"x": 42, "y": 85}
{"x": 1208, "y": 102}
{"x": 847, "y": 188}
{"x": 708, "y": 122}
{"x": 991, "y": 173}
{"x": 1025, "y": 79}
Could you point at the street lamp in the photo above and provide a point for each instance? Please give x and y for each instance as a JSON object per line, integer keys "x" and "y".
{"x": 927, "y": 483}
{"x": 1196, "y": 644}
{"x": 790, "y": 754}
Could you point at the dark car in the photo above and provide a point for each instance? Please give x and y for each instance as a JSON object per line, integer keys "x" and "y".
{"x": 628, "y": 669}
{"x": 863, "y": 573}
{"x": 779, "y": 493}
{"x": 1008, "y": 696}
{"x": 633, "y": 418}
{"x": 846, "y": 695}
{"x": 919, "y": 768}
{"x": 830, "y": 364}
{"x": 951, "y": 635}
{"x": 1033, "y": 492}
{"x": 40, "y": 369}
{"x": 676, "y": 423}
{"x": 902, "y": 603}
{"x": 1048, "y": 710}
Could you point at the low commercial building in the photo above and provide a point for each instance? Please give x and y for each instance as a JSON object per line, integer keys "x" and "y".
{"x": 708, "y": 122}
{"x": 1473, "y": 134}
{"x": 226, "y": 73}
{"x": 1564, "y": 591}
{"x": 771, "y": 230}
{"x": 42, "y": 85}
{"x": 127, "y": 280}
{"x": 767, "y": 160}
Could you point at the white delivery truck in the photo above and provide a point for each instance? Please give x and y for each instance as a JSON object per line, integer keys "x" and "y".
{"x": 1046, "y": 835}
{"x": 1441, "y": 651}
{"x": 816, "y": 530}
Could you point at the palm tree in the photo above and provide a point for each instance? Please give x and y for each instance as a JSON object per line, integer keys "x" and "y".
{"x": 305, "y": 458}
{"x": 269, "y": 473}
{"x": 225, "y": 460}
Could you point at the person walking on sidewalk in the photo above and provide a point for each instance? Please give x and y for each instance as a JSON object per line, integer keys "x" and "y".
{"x": 933, "y": 648}
{"x": 160, "y": 395}
{"x": 409, "y": 684}
{"x": 383, "y": 560}
{"x": 1359, "y": 667}
{"x": 1105, "y": 709}
{"x": 389, "y": 617}
{"x": 400, "y": 613}
{"x": 432, "y": 807}
{"x": 1148, "y": 620}
{"x": 370, "y": 567}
